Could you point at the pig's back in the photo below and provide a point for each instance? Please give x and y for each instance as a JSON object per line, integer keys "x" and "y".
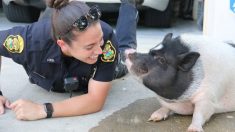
{"x": 215, "y": 67}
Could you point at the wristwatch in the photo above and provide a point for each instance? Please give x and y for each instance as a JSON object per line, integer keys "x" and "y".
{"x": 48, "y": 109}
{"x": 0, "y": 92}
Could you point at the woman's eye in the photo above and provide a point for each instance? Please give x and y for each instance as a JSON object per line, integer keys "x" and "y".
{"x": 89, "y": 48}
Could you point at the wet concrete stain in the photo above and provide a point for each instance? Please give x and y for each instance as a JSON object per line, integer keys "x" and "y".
{"x": 134, "y": 118}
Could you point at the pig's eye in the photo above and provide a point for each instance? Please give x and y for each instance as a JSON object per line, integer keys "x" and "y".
{"x": 160, "y": 59}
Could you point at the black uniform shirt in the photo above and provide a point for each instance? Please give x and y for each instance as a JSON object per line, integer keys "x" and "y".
{"x": 33, "y": 47}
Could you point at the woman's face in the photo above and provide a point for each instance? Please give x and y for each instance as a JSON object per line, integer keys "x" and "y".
{"x": 86, "y": 46}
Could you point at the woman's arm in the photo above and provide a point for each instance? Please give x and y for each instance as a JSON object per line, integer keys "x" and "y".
{"x": 91, "y": 102}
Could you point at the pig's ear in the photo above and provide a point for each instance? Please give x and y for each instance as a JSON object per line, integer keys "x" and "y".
{"x": 167, "y": 38}
{"x": 187, "y": 60}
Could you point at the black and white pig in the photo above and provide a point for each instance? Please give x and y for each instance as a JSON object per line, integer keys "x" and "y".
{"x": 191, "y": 75}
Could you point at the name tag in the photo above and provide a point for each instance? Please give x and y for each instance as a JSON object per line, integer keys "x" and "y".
{"x": 50, "y": 60}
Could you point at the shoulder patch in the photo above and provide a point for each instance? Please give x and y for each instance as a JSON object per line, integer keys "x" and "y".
{"x": 109, "y": 52}
{"x": 14, "y": 44}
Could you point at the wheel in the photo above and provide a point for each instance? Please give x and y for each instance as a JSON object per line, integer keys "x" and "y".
{"x": 19, "y": 13}
{"x": 155, "y": 18}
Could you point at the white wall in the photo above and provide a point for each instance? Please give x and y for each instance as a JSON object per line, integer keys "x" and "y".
{"x": 219, "y": 20}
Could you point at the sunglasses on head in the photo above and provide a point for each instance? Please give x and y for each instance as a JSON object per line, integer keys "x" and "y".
{"x": 84, "y": 21}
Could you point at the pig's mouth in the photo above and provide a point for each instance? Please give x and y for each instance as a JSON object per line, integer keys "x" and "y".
{"x": 139, "y": 70}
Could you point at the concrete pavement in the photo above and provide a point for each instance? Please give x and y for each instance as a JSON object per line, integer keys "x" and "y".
{"x": 127, "y": 108}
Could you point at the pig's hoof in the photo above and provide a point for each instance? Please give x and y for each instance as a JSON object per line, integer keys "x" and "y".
{"x": 158, "y": 116}
{"x": 193, "y": 128}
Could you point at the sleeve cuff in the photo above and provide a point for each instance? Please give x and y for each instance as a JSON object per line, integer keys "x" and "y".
{"x": 0, "y": 92}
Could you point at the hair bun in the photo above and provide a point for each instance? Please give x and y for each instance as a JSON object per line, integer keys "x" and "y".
{"x": 57, "y": 4}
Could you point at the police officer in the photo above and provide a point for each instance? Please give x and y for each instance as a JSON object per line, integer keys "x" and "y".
{"x": 82, "y": 52}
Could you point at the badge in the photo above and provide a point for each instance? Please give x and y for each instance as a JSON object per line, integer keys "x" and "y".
{"x": 14, "y": 44}
{"x": 109, "y": 52}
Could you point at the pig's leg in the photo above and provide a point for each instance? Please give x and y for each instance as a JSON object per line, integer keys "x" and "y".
{"x": 160, "y": 114}
{"x": 202, "y": 112}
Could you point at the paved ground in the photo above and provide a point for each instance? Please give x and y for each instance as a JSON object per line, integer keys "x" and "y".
{"x": 127, "y": 108}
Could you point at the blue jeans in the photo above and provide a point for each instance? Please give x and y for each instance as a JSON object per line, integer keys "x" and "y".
{"x": 126, "y": 27}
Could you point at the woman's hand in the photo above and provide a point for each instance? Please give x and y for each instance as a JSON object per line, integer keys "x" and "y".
{"x": 28, "y": 110}
{"x": 3, "y": 103}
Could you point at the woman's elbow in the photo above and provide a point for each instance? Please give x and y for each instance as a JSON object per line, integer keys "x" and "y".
{"x": 98, "y": 109}
{"x": 99, "y": 104}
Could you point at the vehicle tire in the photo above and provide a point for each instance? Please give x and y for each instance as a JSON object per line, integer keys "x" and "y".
{"x": 18, "y": 13}
{"x": 155, "y": 18}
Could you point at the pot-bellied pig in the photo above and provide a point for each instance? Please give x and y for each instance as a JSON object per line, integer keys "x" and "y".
{"x": 191, "y": 75}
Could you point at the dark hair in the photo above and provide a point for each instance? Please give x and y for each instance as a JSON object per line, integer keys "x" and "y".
{"x": 64, "y": 17}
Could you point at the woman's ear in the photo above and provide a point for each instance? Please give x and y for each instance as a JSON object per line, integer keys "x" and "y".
{"x": 60, "y": 42}
{"x": 63, "y": 46}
